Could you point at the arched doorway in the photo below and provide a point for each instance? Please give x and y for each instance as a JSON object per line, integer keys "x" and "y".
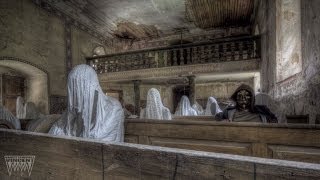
{"x": 36, "y": 81}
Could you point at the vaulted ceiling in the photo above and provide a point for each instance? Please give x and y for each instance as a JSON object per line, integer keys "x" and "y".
{"x": 138, "y": 19}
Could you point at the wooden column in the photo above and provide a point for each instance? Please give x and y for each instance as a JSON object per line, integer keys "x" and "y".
{"x": 192, "y": 85}
{"x": 136, "y": 87}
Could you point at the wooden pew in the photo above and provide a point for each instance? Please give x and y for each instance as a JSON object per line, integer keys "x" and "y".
{"x": 77, "y": 158}
{"x": 298, "y": 142}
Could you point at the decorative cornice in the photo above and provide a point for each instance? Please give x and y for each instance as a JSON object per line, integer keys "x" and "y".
{"x": 187, "y": 70}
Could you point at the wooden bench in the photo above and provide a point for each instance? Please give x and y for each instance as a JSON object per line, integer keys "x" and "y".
{"x": 77, "y": 158}
{"x": 299, "y": 142}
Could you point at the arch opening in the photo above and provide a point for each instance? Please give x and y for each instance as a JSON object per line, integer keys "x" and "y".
{"x": 36, "y": 83}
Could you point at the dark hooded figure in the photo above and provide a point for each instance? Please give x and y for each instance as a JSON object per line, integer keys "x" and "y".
{"x": 244, "y": 109}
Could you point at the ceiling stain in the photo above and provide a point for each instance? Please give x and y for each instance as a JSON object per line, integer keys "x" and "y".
{"x": 129, "y": 30}
{"x": 139, "y": 19}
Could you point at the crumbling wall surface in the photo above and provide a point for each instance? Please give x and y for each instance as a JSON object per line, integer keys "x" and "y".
{"x": 33, "y": 35}
{"x": 300, "y": 93}
{"x": 297, "y": 94}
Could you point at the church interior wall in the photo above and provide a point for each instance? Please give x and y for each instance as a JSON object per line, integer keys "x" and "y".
{"x": 31, "y": 34}
{"x": 222, "y": 90}
{"x": 38, "y": 37}
{"x": 296, "y": 94}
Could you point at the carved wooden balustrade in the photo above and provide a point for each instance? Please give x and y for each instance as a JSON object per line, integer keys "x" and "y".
{"x": 220, "y": 50}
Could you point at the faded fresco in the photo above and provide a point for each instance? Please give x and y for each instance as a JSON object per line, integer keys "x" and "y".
{"x": 289, "y": 60}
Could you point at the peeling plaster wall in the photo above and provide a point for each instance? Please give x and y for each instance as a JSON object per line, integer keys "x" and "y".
{"x": 32, "y": 34}
{"x": 288, "y": 34}
{"x": 298, "y": 94}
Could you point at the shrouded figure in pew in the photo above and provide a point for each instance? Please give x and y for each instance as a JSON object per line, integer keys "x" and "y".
{"x": 8, "y": 120}
{"x": 90, "y": 113}
{"x": 212, "y": 107}
{"x": 154, "y": 108}
{"x": 245, "y": 109}
{"x": 184, "y": 108}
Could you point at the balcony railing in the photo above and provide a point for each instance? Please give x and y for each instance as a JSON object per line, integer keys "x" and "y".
{"x": 220, "y": 50}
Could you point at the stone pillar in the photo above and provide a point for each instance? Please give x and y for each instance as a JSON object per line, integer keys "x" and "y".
{"x": 192, "y": 85}
{"x": 136, "y": 87}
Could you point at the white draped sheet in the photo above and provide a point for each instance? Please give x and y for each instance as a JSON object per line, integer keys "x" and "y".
{"x": 8, "y": 116}
{"x": 210, "y": 102}
{"x": 184, "y": 108}
{"x": 90, "y": 113}
{"x": 154, "y": 108}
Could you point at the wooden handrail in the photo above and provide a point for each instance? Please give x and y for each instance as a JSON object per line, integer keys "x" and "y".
{"x": 219, "y": 50}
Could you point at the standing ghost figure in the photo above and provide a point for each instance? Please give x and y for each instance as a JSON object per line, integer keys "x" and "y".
{"x": 154, "y": 108}
{"x": 90, "y": 113}
{"x": 212, "y": 102}
{"x": 7, "y": 116}
{"x": 20, "y": 108}
{"x": 184, "y": 108}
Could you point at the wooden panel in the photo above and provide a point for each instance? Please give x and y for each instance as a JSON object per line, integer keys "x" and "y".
{"x": 201, "y": 145}
{"x": 77, "y": 158}
{"x": 131, "y": 139}
{"x": 296, "y": 153}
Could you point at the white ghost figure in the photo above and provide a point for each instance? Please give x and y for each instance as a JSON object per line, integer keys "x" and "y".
{"x": 20, "y": 108}
{"x": 212, "y": 101}
{"x": 6, "y": 115}
{"x": 90, "y": 113}
{"x": 154, "y": 108}
{"x": 199, "y": 109}
{"x": 184, "y": 108}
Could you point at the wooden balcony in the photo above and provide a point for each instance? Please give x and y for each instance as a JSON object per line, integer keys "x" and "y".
{"x": 234, "y": 49}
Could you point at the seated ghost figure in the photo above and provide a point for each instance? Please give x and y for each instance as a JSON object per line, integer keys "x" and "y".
{"x": 154, "y": 108}
{"x": 8, "y": 118}
{"x": 199, "y": 109}
{"x": 213, "y": 107}
{"x": 184, "y": 108}
{"x": 90, "y": 113}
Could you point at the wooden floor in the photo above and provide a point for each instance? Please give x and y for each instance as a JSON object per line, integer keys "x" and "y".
{"x": 76, "y": 158}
